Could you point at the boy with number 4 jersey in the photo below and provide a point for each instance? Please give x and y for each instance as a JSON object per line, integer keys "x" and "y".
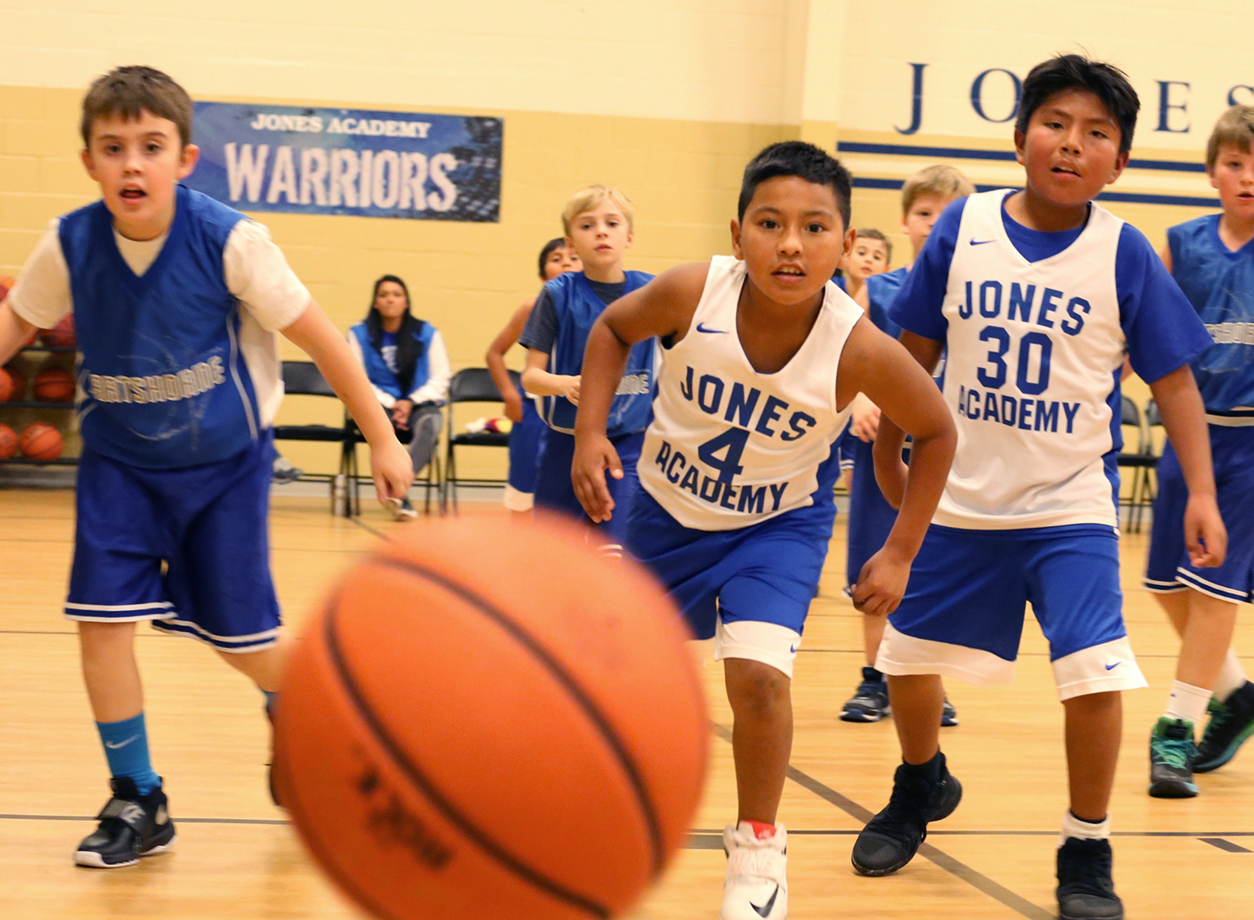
{"x": 762, "y": 357}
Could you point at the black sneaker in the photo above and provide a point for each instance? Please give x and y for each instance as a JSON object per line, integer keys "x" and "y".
{"x": 1172, "y": 753}
{"x": 1231, "y": 722}
{"x": 870, "y": 702}
{"x": 131, "y": 826}
{"x": 949, "y": 715}
{"x": 1086, "y": 890}
{"x": 892, "y": 837}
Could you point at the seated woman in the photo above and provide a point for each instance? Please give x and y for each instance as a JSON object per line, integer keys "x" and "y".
{"x": 407, "y": 364}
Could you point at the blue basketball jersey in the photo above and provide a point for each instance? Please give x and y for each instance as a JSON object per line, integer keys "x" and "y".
{"x": 1220, "y": 284}
{"x": 165, "y": 383}
{"x": 577, "y": 307}
{"x": 384, "y": 377}
{"x": 881, "y": 291}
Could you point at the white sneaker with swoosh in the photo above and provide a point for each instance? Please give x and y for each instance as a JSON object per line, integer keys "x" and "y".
{"x": 756, "y": 887}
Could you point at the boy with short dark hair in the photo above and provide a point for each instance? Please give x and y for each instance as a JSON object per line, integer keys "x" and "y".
{"x": 1212, "y": 259}
{"x": 176, "y": 300}
{"x": 1035, "y": 296}
{"x": 761, "y": 358}
{"x": 599, "y": 223}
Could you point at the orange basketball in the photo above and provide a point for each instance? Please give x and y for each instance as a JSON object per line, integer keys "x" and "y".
{"x": 8, "y": 442}
{"x": 61, "y": 335}
{"x": 6, "y": 385}
{"x": 54, "y": 384}
{"x": 40, "y": 441}
{"x": 486, "y": 722}
{"x": 17, "y": 385}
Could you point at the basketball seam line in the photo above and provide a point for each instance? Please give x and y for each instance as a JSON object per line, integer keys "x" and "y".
{"x": 442, "y": 804}
{"x": 567, "y": 680}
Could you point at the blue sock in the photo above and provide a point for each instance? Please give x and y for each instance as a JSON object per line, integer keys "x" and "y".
{"x": 126, "y": 749}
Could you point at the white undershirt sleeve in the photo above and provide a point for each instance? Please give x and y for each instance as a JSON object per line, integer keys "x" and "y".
{"x": 42, "y": 293}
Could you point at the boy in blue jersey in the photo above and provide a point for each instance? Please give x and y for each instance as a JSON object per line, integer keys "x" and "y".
{"x": 1212, "y": 259}
{"x": 1035, "y": 296}
{"x": 761, "y": 358}
{"x": 598, "y": 222}
{"x": 556, "y": 258}
{"x": 923, "y": 197}
{"x": 175, "y": 300}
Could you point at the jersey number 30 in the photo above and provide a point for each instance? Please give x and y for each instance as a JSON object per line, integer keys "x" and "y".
{"x": 993, "y": 374}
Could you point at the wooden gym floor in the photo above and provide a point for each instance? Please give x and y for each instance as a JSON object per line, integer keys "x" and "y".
{"x": 238, "y": 858}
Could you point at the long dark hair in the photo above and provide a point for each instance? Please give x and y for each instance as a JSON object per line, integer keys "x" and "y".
{"x": 408, "y": 346}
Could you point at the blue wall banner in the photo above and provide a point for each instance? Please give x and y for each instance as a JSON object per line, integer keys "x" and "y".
{"x": 349, "y": 161}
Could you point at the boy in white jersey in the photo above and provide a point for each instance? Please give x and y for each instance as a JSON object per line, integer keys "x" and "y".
{"x": 1036, "y": 296}
{"x": 1212, "y": 259}
{"x": 762, "y": 356}
{"x": 176, "y": 300}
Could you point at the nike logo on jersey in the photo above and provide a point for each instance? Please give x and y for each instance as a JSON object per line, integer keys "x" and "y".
{"x": 765, "y": 909}
{"x": 701, "y": 328}
{"x": 1111, "y": 667}
{"x": 980, "y": 242}
{"x": 121, "y": 744}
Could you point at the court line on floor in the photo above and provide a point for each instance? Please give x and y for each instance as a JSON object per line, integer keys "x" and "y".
{"x": 960, "y": 870}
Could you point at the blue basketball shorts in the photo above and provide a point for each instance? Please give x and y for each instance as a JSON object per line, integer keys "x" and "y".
{"x": 524, "y": 447}
{"x": 186, "y": 548}
{"x": 871, "y": 517}
{"x": 1167, "y": 567}
{"x": 555, "y": 492}
{"x": 963, "y": 612}
{"x": 749, "y": 589}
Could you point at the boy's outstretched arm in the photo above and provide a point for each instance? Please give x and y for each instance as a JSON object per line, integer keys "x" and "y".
{"x": 1184, "y": 417}
{"x": 890, "y": 472}
{"x": 13, "y": 332}
{"x": 663, "y": 307}
{"x": 390, "y": 463}
{"x": 494, "y": 359}
{"x": 896, "y": 381}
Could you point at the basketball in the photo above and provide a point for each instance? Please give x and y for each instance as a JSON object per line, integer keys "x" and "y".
{"x": 8, "y": 442}
{"x": 6, "y": 385}
{"x": 54, "y": 384}
{"x": 40, "y": 441}
{"x": 487, "y": 721}
{"x": 16, "y": 385}
{"x": 61, "y": 335}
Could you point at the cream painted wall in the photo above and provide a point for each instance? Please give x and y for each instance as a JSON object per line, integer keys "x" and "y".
{"x": 665, "y": 98}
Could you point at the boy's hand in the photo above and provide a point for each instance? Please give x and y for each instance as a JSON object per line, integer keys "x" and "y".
{"x": 594, "y": 455}
{"x": 881, "y": 583}
{"x": 392, "y": 469}
{"x": 1204, "y": 532}
{"x": 865, "y": 421}
{"x": 513, "y": 406}
{"x": 570, "y": 389}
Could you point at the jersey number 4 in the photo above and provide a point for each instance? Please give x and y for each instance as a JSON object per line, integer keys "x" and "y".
{"x": 733, "y": 441}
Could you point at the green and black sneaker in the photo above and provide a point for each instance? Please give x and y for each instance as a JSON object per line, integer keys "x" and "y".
{"x": 1231, "y": 722}
{"x": 1172, "y": 753}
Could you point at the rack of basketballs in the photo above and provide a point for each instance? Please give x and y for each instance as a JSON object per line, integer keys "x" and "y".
{"x": 36, "y": 389}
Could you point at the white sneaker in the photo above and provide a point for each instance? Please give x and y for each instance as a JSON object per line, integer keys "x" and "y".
{"x": 401, "y": 509}
{"x": 757, "y": 883}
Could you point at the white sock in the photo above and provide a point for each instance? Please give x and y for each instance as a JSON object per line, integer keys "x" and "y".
{"x": 1187, "y": 702}
{"x": 1231, "y": 678}
{"x": 1084, "y": 830}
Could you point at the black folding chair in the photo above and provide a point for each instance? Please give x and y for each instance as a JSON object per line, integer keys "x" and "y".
{"x": 302, "y": 378}
{"x": 472, "y": 384}
{"x": 1142, "y": 461}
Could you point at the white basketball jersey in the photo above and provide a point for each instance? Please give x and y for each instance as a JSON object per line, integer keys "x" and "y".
{"x": 1034, "y": 352}
{"x": 729, "y": 447}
